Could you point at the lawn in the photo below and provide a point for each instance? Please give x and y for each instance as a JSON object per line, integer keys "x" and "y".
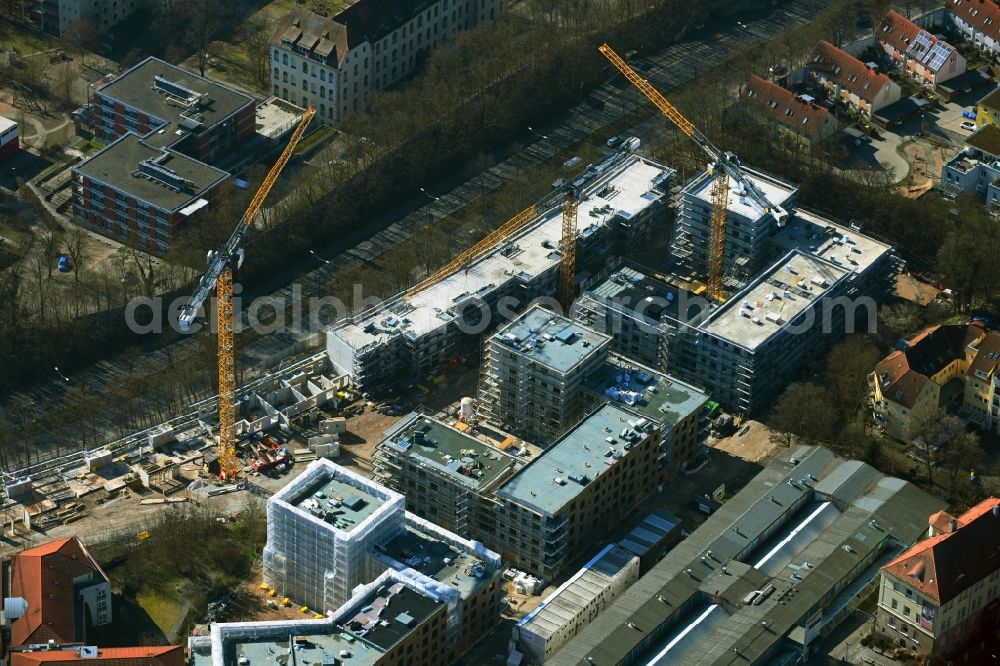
{"x": 163, "y": 607}
{"x": 25, "y": 40}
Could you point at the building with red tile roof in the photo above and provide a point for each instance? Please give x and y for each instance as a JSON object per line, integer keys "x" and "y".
{"x": 168, "y": 655}
{"x": 64, "y": 589}
{"x": 850, "y": 80}
{"x": 918, "y": 53}
{"x": 907, "y": 384}
{"x": 978, "y": 21}
{"x": 781, "y": 106}
{"x": 941, "y": 591}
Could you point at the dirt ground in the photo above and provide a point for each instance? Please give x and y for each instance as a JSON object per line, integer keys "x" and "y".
{"x": 753, "y": 446}
{"x": 914, "y": 290}
{"x": 925, "y": 162}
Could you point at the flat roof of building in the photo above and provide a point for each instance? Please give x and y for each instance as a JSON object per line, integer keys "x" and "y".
{"x": 387, "y": 614}
{"x": 623, "y": 191}
{"x": 119, "y": 166}
{"x": 423, "y": 552}
{"x": 185, "y": 101}
{"x": 337, "y": 496}
{"x": 649, "y": 393}
{"x": 813, "y": 234}
{"x": 774, "y": 299}
{"x": 562, "y": 472}
{"x": 551, "y": 339}
{"x": 778, "y": 192}
{"x": 314, "y": 642}
{"x": 448, "y": 450}
{"x": 275, "y": 116}
{"x": 871, "y": 510}
{"x": 649, "y": 294}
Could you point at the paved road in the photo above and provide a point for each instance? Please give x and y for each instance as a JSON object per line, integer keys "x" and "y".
{"x": 674, "y": 66}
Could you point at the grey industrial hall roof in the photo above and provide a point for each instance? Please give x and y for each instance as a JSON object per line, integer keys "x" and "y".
{"x": 134, "y": 87}
{"x": 580, "y": 456}
{"x": 469, "y": 460}
{"x": 654, "y": 395}
{"x": 872, "y": 518}
{"x": 551, "y": 339}
{"x": 118, "y": 166}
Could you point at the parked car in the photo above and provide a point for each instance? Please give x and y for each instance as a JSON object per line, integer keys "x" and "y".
{"x": 63, "y": 264}
{"x": 615, "y": 141}
{"x": 969, "y": 126}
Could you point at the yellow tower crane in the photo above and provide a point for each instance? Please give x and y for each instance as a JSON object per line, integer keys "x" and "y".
{"x": 567, "y": 248}
{"x": 725, "y": 166}
{"x": 219, "y": 277}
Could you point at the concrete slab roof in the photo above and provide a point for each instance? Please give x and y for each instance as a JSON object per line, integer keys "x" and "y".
{"x": 118, "y": 166}
{"x": 777, "y": 192}
{"x": 551, "y": 339}
{"x": 385, "y": 615}
{"x": 649, "y": 294}
{"x": 624, "y": 190}
{"x": 552, "y": 480}
{"x": 773, "y": 300}
{"x": 423, "y": 552}
{"x": 649, "y": 393}
{"x": 816, "y": 235}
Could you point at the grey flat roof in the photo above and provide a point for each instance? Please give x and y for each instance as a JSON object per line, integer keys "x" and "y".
{"x": 579, "y": 456}
{"x": 118, "y": 166}
{"x": 438, "y": 560}
{"x": 266, "y": 644}
{"x": 551, "y": 339}
{"x": 449, "y": 451}
{"x": 341, "y": 504}
{"x": 649, "y": 393}
{"x": 669, "y": 595}
{"x": 777, "y": 191}
{"x": 386, "y": 615}
{"x": 135, "y": 88}
{"x": 650, "y": 294}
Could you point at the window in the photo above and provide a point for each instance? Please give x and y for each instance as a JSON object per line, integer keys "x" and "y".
{"x": 284, "y": 58}
{"x": 305, "y": 67}
{"x": 276, "y": 73}
{"x": 322, "y": 75}
{"x": 275, "y": 52}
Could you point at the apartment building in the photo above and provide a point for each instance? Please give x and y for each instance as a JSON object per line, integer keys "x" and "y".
{"x": 579, "y": 489}
{"x": 988, "y": 109}
{"x": 977, "y": 22}
{"x": 391, "y": 621}
{"x": 56, "y": 16}
{"x": 920, "y": 55}
{"x": 137, "y": 193}
{"x": 641, "y": 310}
{"x": 819, "y": 280}
{"x": 321, "y": 528}
{"x": 748, "y": 228}
{"x": 171, "y": 107}
{"x": 848, "y": 79}
{"x": 795, "y": 115}
{"x": 533, "y": 371}
{"x": 622, "y": 199}
{"x": 445, "y": 470}
{"x": 975, "y": 170}
{"x": 677, "y": 408}
{"x": 981, "y": 400}
{"x": 907, "y": 385}
{"x": 943, "y": 591}
{"x": 164, "y": 127}
{"x": 54, "y": 592}
{"x": 768, "y": 575}
{"x": 336, "y": 63}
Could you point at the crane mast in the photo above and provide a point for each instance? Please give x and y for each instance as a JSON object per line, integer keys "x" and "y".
{"x": 219, "y": 276}
{"x": 567, "y": 265}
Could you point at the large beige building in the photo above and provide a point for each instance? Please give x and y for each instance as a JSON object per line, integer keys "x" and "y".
{"x": 944, "y": 590}
{"x": 336, "y": 62}
{"x": 940, "y": 366}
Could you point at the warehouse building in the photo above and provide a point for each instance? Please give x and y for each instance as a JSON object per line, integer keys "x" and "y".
{"x": 405, "y": 338}
{"x": 575, "y": 603}
{"x": 583, "y": 486}
{"x": 533, "y": 370}
{"x": 445, "y": 471}
{"x": 775, "y": 569}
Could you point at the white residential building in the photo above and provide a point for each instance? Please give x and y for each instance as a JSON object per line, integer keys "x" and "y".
{"x": 336, "y": 63}
{"x": 977, "y": 21}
